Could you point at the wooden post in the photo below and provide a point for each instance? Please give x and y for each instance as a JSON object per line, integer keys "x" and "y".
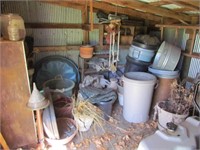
{"x": 84, "y": 13}
{"x": 192, "y": 41}
{"x": 3, "y": 143}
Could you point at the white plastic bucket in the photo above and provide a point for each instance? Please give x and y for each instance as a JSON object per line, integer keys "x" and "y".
{"x": 164, "y": 117}
{"x": 138, "y": 91}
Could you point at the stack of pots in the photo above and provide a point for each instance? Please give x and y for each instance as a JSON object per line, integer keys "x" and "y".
{"x": 140, "y": 57}
{"x": 163, "y": 67}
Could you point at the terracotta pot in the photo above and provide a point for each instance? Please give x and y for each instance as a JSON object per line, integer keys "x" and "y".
{"x": 86, "y": 51}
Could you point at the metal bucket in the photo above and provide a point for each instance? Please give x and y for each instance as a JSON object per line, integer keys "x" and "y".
{"x": 167, "y": 57}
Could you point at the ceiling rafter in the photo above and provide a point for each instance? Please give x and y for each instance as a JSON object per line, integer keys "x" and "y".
{"x": 159, "y": 3}
{"x": 184, "y": 4}
{"x": 127, "y": 11}
{"x": 181, "y": 9}
{"x": 150, "y": 9}
{"x": 108, "y": 8}
{"x": 195, "y": 3}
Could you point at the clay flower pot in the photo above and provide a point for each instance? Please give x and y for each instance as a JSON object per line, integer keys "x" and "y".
{"x": 86, "y": 51}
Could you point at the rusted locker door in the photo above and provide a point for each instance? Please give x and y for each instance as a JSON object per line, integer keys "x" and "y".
{"x": 17, "y": 121}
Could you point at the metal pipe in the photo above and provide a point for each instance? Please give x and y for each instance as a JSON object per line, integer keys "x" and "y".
{"x": 40, "y": 130}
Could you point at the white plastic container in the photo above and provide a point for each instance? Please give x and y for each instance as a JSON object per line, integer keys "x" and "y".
{"x": 138, "y": 91}
{"x": 12, "y": 26}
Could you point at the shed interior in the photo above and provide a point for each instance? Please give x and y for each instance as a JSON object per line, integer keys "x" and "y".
{"x": 122, "y": 35}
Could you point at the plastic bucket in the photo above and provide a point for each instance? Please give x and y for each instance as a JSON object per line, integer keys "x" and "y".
{"x": 133, "y": 65}
{"x": 138, "y": 91}
{"x": 164, "y": 117}
{"x": 60, "y": 87}
{"x": 106, "y": 107}
{"x": 167, "y": 57}
{"x": 141, "y": 53}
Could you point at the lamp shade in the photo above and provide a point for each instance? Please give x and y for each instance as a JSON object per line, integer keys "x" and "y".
{"x": 37, "y": 100}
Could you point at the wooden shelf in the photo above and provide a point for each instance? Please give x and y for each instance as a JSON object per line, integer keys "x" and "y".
{"x": 193, "y": 32}
{"x": 193, "y": 55}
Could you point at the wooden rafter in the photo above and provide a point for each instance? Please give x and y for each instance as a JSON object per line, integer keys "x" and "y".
{"x": 182, "y": 9}
{"x": 126, "y": 11}
{"x": 158, "y": 3}
{"x": 195, "y": 3}
{"x": 150, "y": 9}
{"x": 184, "y": 4}
{"x": 108, "y": 8}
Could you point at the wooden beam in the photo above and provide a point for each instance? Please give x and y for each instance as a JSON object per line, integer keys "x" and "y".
{"x": 38, "y": 49}
{"x": 127, "y": 11}
{"x": 150, "y": 9}
{"x": 158, "y": 3}
{"x": 60, "y": 25}
{"x": 182, "y": 9}
{"x": 70, "y": 4}
{"x": 84, "y": 14}
{"x": 195, "y": 3}
{"x": 178, "y": 26}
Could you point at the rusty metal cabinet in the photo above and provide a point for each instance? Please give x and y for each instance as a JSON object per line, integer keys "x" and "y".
{"x": 16, "y": 120}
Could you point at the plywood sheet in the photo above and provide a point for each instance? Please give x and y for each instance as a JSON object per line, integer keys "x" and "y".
{"x": 17, "y": 123}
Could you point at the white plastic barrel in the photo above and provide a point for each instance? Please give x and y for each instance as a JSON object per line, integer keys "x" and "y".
{"x": 138, "y": 91}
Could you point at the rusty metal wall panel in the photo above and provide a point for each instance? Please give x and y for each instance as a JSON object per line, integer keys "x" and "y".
{"x": 17, "y": 121}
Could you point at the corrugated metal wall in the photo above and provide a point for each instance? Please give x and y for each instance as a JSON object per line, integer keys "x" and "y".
{"x": 33, "y": 11}
{"x": 195, "y": 63}
{"x": 169, "y": 36}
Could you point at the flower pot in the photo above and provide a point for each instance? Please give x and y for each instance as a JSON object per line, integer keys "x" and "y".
{"x": 86, "y": 51}
{"x": 84, "y": 122}
{"x": 164, "y": 117}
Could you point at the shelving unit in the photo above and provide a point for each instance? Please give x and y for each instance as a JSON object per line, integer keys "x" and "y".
{"x": 192, "y": 30}
{"x": 83, "y": 66}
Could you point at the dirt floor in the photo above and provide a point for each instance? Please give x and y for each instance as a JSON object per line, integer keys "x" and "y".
{"x": 116, "y": 134}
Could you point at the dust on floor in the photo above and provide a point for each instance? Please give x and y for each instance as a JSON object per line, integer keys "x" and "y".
{"x": 116, "y": 134}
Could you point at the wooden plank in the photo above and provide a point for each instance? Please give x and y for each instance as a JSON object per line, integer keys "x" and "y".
{"x": 70, "y": 4}
{"x": 193, "y": 55}
{"x": 101, "y": 33}
{"x": 17, "y": 121}
{"x": 192, "y": 41}
{"x": 192, "y": 2}
{"x": 150, "y": 9}
{"x": 178, "y": 26}
{"x": 3, "y": 142}
{"x": 182, "y": 9}
{"x": 38, "y": 49}
{"x": 84, "y": 14}
{"x": 158, "y": 3}
{"x": 60, "y": 25}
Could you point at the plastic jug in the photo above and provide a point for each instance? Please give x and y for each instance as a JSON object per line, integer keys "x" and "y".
{"x": 12, "y": 26}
